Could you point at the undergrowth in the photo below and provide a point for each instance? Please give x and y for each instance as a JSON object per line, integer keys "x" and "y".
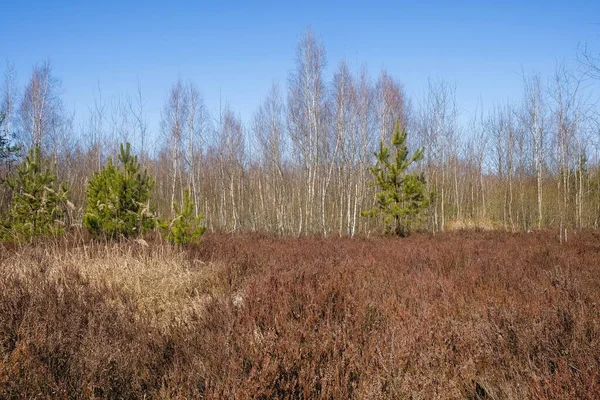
{"x": 460, "y": 315}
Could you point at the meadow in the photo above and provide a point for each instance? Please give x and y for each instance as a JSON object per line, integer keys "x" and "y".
{"x": 474, "y": 315}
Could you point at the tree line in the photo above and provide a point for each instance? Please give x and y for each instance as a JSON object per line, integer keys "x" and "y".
{"x": 301, "y": 165}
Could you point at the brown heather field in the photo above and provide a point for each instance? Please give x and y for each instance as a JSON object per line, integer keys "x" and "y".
{"x": 474, "y": 315}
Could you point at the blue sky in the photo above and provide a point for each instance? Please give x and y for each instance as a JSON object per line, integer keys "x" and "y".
{"x": 236, "y": 49}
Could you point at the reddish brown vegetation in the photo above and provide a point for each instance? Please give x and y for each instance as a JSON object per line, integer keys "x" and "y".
{"x": 460, "y": 315}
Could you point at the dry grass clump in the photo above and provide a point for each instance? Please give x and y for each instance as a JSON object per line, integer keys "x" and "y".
{"x": 459, "y": 315}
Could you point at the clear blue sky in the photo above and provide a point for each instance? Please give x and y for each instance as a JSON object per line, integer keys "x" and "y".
{"x": 238, "y": 48}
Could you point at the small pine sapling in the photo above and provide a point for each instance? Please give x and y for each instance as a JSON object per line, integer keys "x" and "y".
{"x": 38, "y": 203}
{"x": 403, "y": 195}
{"x": 184, "y": 228}
{"x": 118, "y": 199}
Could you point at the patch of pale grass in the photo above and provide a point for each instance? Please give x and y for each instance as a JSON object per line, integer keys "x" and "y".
{"x": 168, "y": 287}
{"x": 471, "y": 224}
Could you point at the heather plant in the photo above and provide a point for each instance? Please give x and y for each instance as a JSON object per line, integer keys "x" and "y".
{"x": 497, "y": 315}
{"x": 118, "y": 199}
{"x": 185, "y": 227}
{"x": 403, "y": 195}
{"x": 38, "y": 202}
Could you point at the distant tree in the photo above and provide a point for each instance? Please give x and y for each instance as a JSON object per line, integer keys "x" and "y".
{"x": 533, "y": 118}
{"x": 403, "y": 195}
{"x": 8, "y": 97}
{"x": 7, "y": 151}
{"x": 185, "y": 228}
{"x": 41, "y": 110}
{"x": 438, "y": 127}
{"x": 269, "y": 134}
{"x": 173, "y": 125}
{"x": 118, "y": 199}
{"x": 590, "y": 61}
{"x": 38, "y": 202}
{"x": 307, "y": 127}
{"x": 230, "y": 161}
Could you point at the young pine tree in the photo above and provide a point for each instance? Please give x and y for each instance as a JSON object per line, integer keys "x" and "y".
{"x": 185, "y": 228}
{"x": 403, "y": 195}
{"x": 38, "y": 202}
{"x": 118, "y": 199}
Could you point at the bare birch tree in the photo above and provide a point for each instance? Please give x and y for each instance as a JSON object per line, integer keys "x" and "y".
{"x": 534, "y": 121}
{"x": 41, "y": 109}
{"x": 268, "y": 129}
{"x": 231, "y": 155}
{"x": 306, "y": 119}
{"x": 173, "y": 125}
{"x": 197, "y": 126}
